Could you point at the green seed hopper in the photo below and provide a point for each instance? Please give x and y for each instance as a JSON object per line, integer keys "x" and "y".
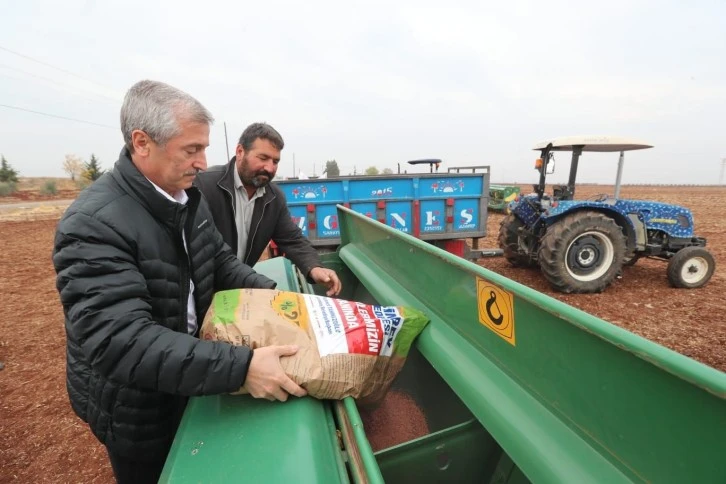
{"x": 501, "y": 195}
{"x": 516, "y": 387}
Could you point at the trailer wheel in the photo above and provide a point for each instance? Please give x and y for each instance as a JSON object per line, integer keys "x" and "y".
{"x": 582, "y": 252}
{"x": 515, "y": 246}
{"x": 691, "y": 267}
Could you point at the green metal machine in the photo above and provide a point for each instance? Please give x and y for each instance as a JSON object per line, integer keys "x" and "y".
{"x": 501, "y": 195}
{"x": 516, "y": 387}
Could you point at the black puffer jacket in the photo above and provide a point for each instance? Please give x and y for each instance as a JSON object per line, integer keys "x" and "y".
{"x": 270, "y": 220}
{"x": 123, "y": 278}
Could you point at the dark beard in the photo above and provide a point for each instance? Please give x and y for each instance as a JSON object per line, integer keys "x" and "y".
{"x": 257, "y": 182}
{"x": 253, "y": 179}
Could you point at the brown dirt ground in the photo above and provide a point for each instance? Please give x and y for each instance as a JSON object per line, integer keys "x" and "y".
{"x": 41, "y": 440}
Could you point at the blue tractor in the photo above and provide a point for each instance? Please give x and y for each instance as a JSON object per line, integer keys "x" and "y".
{"x": 581, "y": 246}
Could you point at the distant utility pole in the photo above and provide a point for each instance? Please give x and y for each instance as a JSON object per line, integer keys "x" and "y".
{"x": 226, "y": 143}
{"x": 723, "y": 168}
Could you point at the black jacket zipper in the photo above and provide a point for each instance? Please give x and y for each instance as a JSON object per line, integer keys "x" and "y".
{"x": 250, "y": 240}
{"x": 185, "y": 275}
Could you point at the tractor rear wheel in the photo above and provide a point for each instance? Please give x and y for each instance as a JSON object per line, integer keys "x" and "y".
{"x": 582, "y": 253}
{"x": 515, "y": 245}
{"x": 691, "y": 267}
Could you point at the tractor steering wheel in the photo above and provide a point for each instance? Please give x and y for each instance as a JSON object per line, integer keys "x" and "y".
{"x": 533, "y": 205}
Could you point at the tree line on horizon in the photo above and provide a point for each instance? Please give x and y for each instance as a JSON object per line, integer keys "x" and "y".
{"x": 332, "y": 170}
{"x": 82, "y": 172}
{"x": 85, "y": 171}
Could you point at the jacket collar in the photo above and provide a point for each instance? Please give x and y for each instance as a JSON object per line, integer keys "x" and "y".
{"x": 141, "y": 189}
{"x": 226, "y": 181}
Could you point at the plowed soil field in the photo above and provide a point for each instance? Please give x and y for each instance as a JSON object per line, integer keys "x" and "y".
{"x": 41, "y": 440}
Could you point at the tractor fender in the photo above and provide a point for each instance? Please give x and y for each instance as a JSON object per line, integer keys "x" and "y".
{"x": 674, "y": 220}
{"x": 631, "y": 225}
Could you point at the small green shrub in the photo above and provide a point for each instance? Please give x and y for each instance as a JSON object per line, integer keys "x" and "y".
{"x": 7, "y": 189}
{"x": 49, "y": 188}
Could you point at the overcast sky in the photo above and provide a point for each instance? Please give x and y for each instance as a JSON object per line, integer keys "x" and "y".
{"x": 378, "y": 83}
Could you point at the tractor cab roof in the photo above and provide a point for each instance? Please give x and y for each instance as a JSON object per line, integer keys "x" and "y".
{"x": 593, "y": 143}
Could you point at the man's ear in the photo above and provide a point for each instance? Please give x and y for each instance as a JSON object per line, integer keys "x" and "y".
{"x": 141, "y": 142}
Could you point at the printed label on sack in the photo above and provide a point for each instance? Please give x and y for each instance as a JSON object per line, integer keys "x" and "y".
{"x": 342, "y": 326}
{"x": 290, "y": 306}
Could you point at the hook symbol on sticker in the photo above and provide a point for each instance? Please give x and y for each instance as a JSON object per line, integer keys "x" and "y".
{"x": 492, "y": 301}
{"x": 496, "y": 309}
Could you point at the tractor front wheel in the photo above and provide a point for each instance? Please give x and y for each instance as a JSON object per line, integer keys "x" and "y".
{"x": 691, "y": 267}
{"x": 582, "y": 253}
{"x": 515, "y": 245}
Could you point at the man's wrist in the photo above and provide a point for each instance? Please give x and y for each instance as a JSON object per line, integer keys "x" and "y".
{"x": 247, "y": 367}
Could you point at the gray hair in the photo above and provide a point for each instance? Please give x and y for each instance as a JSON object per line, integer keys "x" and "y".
{"x": 156, "y": 109}
{"x": 263, "y": 131}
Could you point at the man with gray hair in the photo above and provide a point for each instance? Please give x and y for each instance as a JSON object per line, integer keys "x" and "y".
{"x": 138, "y": 259}
{"x": 249, "y": 211}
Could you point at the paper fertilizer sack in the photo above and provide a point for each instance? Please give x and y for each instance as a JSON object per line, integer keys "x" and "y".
{"x": 347, "y": 348}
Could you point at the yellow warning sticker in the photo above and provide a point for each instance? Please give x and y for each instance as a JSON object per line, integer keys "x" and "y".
{"x": 496, "y": 309}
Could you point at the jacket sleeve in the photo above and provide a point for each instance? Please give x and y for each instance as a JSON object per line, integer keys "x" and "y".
{"x": 291, "y": 241}
{"x": 232, "y": 273}
{"x": 229, "y": 271}
{"x": 108, "y": 314}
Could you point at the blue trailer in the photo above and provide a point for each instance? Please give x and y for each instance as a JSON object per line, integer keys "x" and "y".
{"x": 441, "y": 208}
